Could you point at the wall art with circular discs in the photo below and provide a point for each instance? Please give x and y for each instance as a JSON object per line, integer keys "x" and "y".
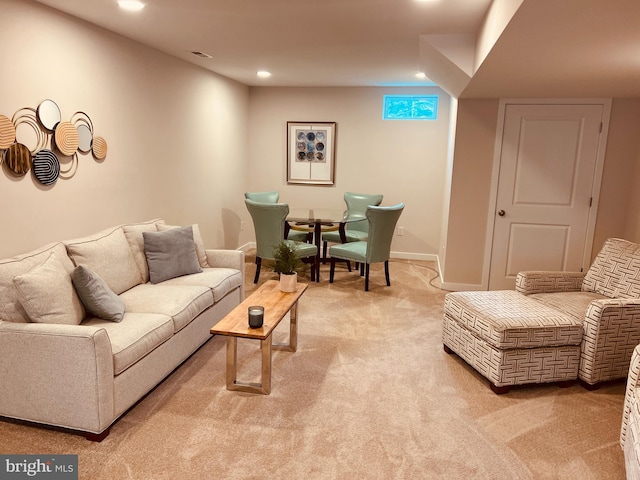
{"x": 49, "y": 136}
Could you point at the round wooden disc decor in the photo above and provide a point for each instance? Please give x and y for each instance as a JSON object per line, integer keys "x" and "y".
{"x": 66, "y": 138}
{"x": 46, "y": 167}
{"x": 18, "y": 159}
{"x": 7, "y": 132}
{"x": 99, "y": 148}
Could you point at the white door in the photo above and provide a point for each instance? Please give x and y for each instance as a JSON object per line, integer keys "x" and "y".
{"x": 545, "y": 187}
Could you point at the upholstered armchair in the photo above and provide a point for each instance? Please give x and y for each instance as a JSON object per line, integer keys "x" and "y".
{"x": 555, "y": 327}
{"x": 606, "y": 298}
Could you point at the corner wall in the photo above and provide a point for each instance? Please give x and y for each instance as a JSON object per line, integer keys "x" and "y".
{"x": 175, "y": 133}
{"x": 619, "y": 207}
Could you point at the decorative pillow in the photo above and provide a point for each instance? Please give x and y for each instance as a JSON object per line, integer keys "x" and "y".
{"x": 96, "y": 296}
{"x": 197, "y": 238}
{"x": 133, "y": 233}
{"x": 108, "y": 254}
{"x": 170, "y": 254}
{"x": 47, "y": 294}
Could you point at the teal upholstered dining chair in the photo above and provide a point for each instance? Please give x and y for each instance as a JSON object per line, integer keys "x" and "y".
{"x": 377, "y": 248}
{"x": 264, "y": 197}
{"x": 268, "y": 223}
{"x": 357, "y": 204}
{"x": 273, "y": 197}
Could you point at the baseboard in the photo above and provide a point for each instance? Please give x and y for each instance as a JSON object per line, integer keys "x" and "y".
{"x": 426, "y": 257}
{"x": 462, "y": 287}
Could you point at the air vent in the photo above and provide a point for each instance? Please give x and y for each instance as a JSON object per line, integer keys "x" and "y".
{"x": 201, "y": 54}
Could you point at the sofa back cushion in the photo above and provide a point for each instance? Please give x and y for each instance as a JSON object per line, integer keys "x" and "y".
{"x": 133, "y": 232}
{"x": 615, "y": 272}
{"x": 108, "y": 254}
{"x": 10, "y": 307}
{"x": 47, "y": 294}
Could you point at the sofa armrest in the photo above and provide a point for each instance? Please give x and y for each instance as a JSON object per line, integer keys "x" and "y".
{"x": 227, "y": 259}
{"x": 57, "y": 374}
{"x": 631, "y": 393}
{"x": 611, "y": 332}
{"x": 541, "y": 281}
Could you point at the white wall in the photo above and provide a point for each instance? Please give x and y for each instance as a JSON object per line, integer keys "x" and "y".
{"x": 404, "y": 160}
{"x": 176, "y": 133}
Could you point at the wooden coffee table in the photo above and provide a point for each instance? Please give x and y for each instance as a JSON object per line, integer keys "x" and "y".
{"x": 276, "y": 305}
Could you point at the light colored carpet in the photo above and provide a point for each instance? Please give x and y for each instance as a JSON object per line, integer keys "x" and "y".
{"x": 370, "y": 394}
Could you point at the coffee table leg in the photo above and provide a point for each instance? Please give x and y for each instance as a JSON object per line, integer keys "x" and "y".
{"x": 293, "y": 332}
{"x": 232, "y": 368}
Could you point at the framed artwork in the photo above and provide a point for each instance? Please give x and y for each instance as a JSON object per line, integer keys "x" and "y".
{"x": 311, "y": 152}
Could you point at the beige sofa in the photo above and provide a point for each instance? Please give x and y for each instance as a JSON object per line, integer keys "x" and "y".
{"x": 61, "y": 365}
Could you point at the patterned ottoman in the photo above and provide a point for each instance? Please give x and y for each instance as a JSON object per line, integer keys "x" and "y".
{"x": 511, "y": 339}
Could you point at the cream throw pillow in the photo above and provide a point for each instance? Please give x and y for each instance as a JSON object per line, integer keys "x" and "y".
{"x": 197, "y": 238}
{"x": 47, "y": 295}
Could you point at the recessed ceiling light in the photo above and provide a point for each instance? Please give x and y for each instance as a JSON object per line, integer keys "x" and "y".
{"x": 131, "y": 5}
{"x": 263, "y": 74}
{"x": 421, "y": 75}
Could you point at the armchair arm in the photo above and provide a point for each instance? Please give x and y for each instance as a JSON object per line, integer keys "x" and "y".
{"x": 531, "y": 282}
{"x": 631, "y": 393}
{"x": 57, "y": 374}
{"x": 611, "y": 332}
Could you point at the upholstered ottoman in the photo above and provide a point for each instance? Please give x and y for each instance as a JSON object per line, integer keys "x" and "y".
{"x": 511, "y": 339}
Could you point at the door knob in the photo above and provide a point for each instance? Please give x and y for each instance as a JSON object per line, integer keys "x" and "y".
{"x": 501, "y": 213}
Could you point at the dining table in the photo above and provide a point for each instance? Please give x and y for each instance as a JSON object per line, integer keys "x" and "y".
{"x": 319, "y": 220}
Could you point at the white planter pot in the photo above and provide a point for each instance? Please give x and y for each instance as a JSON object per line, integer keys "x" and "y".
{"x": 288, "y": 283}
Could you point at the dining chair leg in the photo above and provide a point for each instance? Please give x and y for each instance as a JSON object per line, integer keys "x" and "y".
{"x": 361, "y": 269}
{"x": 366, "y": 278}
{"x": 317, "y": 263}
{"x": 332, "y": 269}
{"x": 258, "y": 265}
{"x": 324, "y": 251}
{"x": 386, "y": 272}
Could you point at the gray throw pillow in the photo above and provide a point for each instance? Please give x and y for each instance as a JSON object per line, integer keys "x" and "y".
{"x": 96, "y": 296}
{"x": 170, "y": 254}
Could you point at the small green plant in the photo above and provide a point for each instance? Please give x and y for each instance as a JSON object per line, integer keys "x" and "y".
{"x": 286, "y": 261}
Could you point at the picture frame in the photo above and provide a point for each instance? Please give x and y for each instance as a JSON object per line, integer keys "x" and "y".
{"x": 311, "y": 153}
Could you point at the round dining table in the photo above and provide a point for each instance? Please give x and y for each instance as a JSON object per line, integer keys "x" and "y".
{"x": 318, "y": 220}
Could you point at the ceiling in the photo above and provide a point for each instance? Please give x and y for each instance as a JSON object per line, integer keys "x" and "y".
{"x": 550, "y": 48}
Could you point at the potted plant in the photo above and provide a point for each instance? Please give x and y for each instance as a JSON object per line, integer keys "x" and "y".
{"x": 287, "y": 263}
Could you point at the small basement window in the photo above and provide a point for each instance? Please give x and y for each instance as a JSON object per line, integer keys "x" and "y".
{"x": 410, "y": 107}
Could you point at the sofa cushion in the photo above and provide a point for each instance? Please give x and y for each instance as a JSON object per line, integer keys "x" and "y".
{"x": 134, "y": 236}
{"x": 507, "y": 319}
{"x": 181, "y": 303}
{"x": 10, "y": 308}
{"x": 615, "y": 272}
{"x": 571, "y": 303}
{"x": 96, "y": 296}
{"x": 108, "y": 254}
{"x": 220, "y": 280}
{"x": 170, "y": 254}
{"x": 135, "y": 336}
{"x": 47, "y": 294}
{"x": 197, "y": 239}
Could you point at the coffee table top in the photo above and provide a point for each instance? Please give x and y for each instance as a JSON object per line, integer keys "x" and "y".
{"x": 276, "y": 305}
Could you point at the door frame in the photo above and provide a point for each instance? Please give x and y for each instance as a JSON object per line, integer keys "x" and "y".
{"x": 497, "y": 155}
